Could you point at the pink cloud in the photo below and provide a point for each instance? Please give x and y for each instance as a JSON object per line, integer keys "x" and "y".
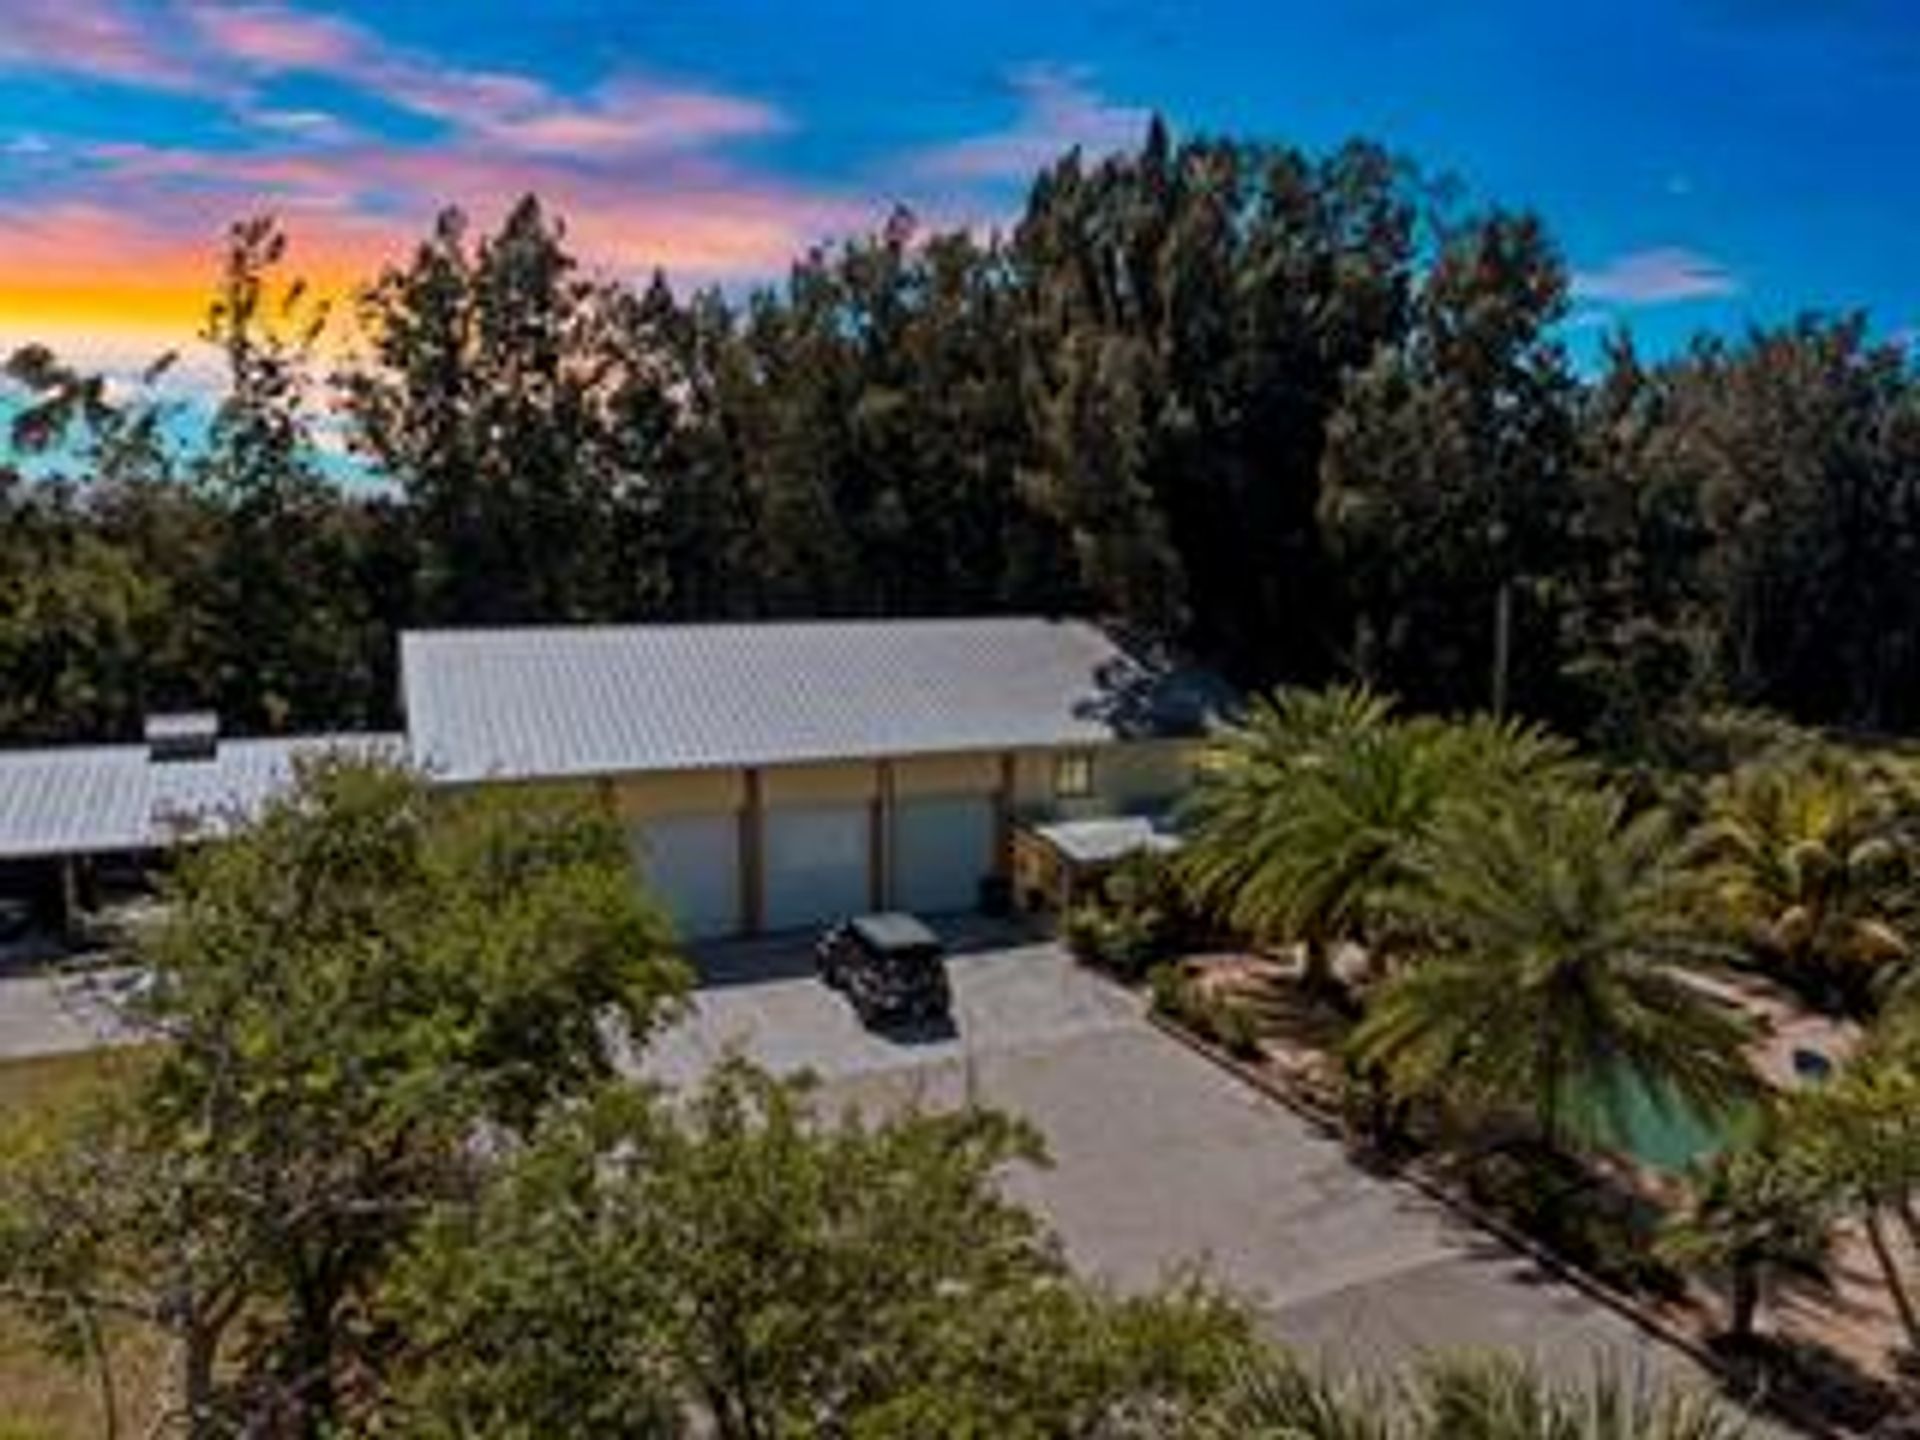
{"x": 499, "y": 107}
{"x": 273, "y": 38}
{"x": 100, "y": 39}
{"x": 1058, "y": 111}
{"x": 694, "y": 218}
{"x": 632, "y": 114}
{"x": 1660, "y": 276}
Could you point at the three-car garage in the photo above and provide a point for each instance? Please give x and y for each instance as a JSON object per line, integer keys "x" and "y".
{"x": 772, "y": 775}
{"x": 790, "y": 847}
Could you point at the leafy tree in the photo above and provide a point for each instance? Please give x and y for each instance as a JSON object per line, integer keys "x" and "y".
{"x": 781, "y": 1276}
{"x": 1446, "y": 474}
{"x": 353, "y": 992}
{"x": 1860, "y": 1135}
{"x": 497, "y": 395}
{"x": 1561, "y": 929}
{"x": 103, "y": 558}
{"x": 1191, "y": 311}
{"x": 291, "y": 608}
{"x": 1754, "y": 1212}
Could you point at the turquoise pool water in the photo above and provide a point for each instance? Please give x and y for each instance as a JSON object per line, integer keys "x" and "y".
{"x": 1663, "y": 1134}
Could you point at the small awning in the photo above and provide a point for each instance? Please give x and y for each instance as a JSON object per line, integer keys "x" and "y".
{"x": 1106, "y": 839}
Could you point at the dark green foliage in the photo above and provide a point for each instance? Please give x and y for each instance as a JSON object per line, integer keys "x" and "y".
{"x": 1560, "y": 929}
{"x": 1292, "y": 414}
{"x": 362, "y": 995}
{"x": 1177, "y": 994}
{"x": 783, "y": 1276}
{"x": 1138, "y": 915}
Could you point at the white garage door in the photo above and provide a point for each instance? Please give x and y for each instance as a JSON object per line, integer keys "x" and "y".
{"x": 942, "y": 846}
{"x": 816, "y": 864}
{"x": 691, "y": 863}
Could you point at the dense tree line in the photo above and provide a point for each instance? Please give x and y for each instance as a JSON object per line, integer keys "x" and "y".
{"x": 1304, "y": 417}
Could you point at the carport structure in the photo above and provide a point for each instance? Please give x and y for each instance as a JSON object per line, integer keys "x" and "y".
{"x": 69, "y": 812}
{"x": 774, "y": 775}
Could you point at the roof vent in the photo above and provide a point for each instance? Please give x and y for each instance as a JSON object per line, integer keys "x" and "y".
{"x": 186, "y": 735}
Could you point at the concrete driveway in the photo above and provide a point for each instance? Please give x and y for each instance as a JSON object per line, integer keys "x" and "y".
{"x": 1160, "y": 1159}
{"x": 54, "y": 1013}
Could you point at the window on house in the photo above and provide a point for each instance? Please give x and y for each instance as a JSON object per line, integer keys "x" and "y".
{"x": 1072, "y": 775}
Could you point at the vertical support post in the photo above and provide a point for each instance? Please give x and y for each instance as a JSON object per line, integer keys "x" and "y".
{"x": 880, "y": 838}
{"x": 69, "y": 918}
{"x": 753, "y": 898}
{"x": 1003, "y": 817}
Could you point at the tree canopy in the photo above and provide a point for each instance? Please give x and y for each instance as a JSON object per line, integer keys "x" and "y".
{"x": 1302, "y": 416}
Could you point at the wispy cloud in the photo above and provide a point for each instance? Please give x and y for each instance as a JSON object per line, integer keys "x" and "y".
{"x": 113, "y": 243}
{"x": 98, "y": 39}
{"x": 1058, "y": 109}
{"x": 693, "y": 217}
{"x": 1663, "y": 275}
{"x": 630, "y": 114}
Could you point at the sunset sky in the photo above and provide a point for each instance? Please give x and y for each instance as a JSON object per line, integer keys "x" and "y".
{"x": 1704, "y": 162}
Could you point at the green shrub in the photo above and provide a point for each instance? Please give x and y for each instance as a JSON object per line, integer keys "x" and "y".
{"x": 1081, "y": 931}
{"x": 1167, "y": 987}
{"x": 1136, "y": 919}
{"x": 1235, "y": 1027}
{"x": 1217, "y": 1019}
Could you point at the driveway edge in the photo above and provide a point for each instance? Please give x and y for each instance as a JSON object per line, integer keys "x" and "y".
{"x": 1509, "y": 1235}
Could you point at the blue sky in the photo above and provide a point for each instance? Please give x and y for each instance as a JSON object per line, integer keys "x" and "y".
{"x": 1703, "y": 162}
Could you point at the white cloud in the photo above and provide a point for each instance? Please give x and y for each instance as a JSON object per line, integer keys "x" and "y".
{"x": 1663, "y": 275}
{"x": 1059, "y": 110}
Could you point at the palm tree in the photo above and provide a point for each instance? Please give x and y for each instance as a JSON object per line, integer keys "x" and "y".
{"x": 1559, "y": 927}
{"x": 1482, "y": 1398}
{"x": 1754, "y": 1211}
{"x": 1807, "y": 861}
{"x": 1306, "y": 815}
{"x": 1859, "y": 1134}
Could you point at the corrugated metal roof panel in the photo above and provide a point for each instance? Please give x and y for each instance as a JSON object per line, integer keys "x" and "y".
{"x": 522, "y": 703}
{"x": 84, "y": 799}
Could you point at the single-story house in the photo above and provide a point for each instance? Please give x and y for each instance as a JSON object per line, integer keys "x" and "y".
{"x": 773, "y": 775}
{"x": 770, "y": 775}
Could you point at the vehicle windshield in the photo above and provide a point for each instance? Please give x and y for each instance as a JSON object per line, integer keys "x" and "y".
{"x": 907, "y": 966}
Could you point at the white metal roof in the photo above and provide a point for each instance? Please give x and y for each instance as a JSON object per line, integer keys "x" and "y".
{"x": 86, "y": 799}
{"x": 1104, "y": 839}
{"x": 583, "y": 700}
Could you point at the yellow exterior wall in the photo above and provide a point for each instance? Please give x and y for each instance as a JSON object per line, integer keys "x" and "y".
{"x": 969, "y": 774}
{"x": 1127, "y": 775}
{"x": 1145, "y": 772}
{"x": 819, "y": 784}
{"x": 677, "y": 792}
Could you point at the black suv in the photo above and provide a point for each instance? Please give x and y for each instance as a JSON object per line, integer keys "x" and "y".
{"x": 892, "y": 967}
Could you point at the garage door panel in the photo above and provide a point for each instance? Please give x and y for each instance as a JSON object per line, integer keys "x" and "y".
{"x": 942, "y": 847}
{"x": 691, "y": 864}
{"x": 816, "y": 863}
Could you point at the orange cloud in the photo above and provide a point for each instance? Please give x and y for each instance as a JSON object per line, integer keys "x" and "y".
{"x": 121, "y": 240}
{"x": 136, "y": 277}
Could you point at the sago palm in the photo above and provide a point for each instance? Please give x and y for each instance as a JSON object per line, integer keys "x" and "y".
{"x": 1807, "y": 862}
{"x": 1560, "y": 929}
{"x": 1462, "y": 1398}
